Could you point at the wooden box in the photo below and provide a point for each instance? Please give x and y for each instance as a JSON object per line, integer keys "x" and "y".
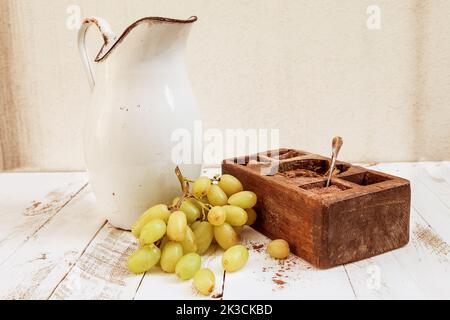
{"x": 364, "y": 213}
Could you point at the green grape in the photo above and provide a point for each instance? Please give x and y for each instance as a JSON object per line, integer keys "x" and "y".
{"x": 236, "y": 216}
{"x": 205, "y": 281}
{"x": 195, "y": 225}
{"x": 252, "y": 216}
{"x": 191, "y": 210}
{"x": 152, "y": 232}
{"x": 144, "y": 259}
{"x": 230, "y": 185}
{"x": 160, "y": 211}
{"x": 176, "y": 228}
{"x": 216, "y": 196}
{"x": 204, "y": 235}
{"x": 170, "y": 256}
{"x": 226, "y": 236}
{"x": 188, "y": 243}
{"x": 201, "y": 187}
{"x": 244, "y": 199}
{"x": 279, "y": 249}
{"x": 217, "y": 216}
{"x": 235, "y": 258}
{"x": 188, "y": 266}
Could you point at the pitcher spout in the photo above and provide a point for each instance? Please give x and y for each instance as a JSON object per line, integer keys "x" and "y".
{"x": 160, "y": 34}
{"x": 107, "y": 50}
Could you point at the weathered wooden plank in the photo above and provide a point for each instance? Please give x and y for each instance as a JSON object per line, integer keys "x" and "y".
{"x": 421, "y": 269}
{"x": 267, "y": 278}
{"x": 158, "y": 285}
{"x": 51, "y": 259}
{"x": 431, "y": 201}
{"x": 29, "y": 201}
{"x": 382, "y": 277}
{"x": 36, "y": 268}
{"x": 439, "y": 171}
{"x": 437, "y": 178}
{"x": 101, "y": 271}
{"x": 427, "y": 259}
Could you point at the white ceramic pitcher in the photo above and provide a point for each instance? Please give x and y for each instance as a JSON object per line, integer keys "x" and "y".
{"x": 140, "y": 95}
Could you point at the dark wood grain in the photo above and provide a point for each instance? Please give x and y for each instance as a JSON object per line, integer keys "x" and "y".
{"x": 364, "y": 213}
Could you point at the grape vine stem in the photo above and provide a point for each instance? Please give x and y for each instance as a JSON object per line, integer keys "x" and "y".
{"x": 184, "y": 187}
{"x": 184, "y": 182}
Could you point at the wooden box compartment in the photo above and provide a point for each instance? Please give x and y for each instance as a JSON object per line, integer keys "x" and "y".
{"x": 364, "y": 213}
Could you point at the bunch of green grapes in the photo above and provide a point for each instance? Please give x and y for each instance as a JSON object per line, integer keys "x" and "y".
{"x": 210, "y": 212}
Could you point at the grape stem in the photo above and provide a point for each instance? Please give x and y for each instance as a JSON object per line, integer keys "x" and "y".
{"x": 187, "y": 195}
{"x": 183, "y": 181}
{"x": 184, "y": 187}
{"x": 205, "y": 206}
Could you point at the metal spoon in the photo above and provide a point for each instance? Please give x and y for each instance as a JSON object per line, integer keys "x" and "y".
{"x": 336, "y": 147}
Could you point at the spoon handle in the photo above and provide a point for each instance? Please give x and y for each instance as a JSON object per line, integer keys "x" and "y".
{"x": 336, "y": 147}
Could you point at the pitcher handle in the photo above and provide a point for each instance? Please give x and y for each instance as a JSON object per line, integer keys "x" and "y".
{"x": 108, "y": 38}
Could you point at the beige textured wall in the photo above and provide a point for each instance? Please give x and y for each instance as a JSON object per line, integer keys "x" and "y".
{"x": 311, "y": 68}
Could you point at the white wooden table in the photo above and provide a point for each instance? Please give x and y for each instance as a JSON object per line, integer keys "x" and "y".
{"x": 54, "y": 246}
